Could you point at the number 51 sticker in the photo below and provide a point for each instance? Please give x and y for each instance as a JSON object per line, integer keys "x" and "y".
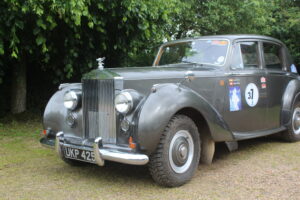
{"x": 251, "y": 94}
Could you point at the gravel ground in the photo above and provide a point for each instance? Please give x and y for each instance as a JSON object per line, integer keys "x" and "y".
{"x": 262, "y": 168}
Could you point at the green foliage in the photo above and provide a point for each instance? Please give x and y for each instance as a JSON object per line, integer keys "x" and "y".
{"x": 63, "y": 38}
{"x": 277, "y": 18}
{"x": 286, "y": 25}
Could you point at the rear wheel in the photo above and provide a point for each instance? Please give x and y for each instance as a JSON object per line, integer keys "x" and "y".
{"x": 177, "y": 156}
{"x": 292, "y": 134}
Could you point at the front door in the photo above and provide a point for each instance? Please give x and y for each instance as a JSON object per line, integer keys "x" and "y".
{"x": 246, "y": 105}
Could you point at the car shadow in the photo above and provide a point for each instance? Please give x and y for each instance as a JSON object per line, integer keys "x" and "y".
{"x": 116, "y": 172}
{"x": 221, "y": 151}
{"x": 112, "y": 173}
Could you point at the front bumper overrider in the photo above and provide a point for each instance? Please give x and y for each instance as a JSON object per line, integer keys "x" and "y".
{"x": 101, "y": 153}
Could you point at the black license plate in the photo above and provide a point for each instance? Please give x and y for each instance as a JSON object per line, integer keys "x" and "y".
{"x": 79, "y": 154}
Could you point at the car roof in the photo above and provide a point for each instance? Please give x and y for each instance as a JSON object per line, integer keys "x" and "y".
{"x": 229, "y": 37}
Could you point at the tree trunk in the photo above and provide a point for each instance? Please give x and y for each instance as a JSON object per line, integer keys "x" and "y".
{"x": 18, "y": 88}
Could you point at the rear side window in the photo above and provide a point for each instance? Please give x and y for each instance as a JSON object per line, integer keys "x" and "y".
{"x": 245, "y": 55}
{"x": 273, "y": 56}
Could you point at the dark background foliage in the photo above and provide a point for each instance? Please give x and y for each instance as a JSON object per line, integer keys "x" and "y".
{"x": 46, "y": 42}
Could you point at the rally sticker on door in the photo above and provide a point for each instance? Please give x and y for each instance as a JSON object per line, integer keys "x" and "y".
{"x": 251, "y": 94}
{"x": 235, "y": 98}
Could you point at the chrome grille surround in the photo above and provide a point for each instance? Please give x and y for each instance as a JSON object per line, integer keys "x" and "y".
{"x": 99, "y": 115}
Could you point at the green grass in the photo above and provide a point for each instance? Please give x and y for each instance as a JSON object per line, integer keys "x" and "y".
{"x": 261, "y": 169}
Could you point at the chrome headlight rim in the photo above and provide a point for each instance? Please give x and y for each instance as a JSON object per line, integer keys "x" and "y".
{"x": 71, "y": 100}
{"x": 127, "y": 105}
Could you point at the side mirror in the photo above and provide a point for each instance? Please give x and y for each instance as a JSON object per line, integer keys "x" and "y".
{"x": 189, "y": 76}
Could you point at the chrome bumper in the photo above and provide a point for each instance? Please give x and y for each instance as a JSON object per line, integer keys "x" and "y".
{"x": 102, "y": 154}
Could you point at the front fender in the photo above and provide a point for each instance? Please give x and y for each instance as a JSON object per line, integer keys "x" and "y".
{"x": 55, "y": 113}
{"x": 290, "y": 96}
{"x": 165, "y": 102}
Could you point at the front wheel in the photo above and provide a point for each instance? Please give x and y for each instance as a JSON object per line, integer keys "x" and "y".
{"x": 292, "y": 134}
{"x": 177, "y": 156}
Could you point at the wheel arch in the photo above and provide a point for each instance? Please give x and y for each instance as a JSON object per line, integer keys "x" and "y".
{"x": 198, "y": 119}
{"x": 290, "y": 97}
{"x": 207, "y": 142}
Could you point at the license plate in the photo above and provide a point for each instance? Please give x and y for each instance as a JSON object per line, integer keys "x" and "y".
{"x": 79, "y": 154}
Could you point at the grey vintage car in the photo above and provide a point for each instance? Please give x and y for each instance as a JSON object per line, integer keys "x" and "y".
{"x": 198, "y": 92}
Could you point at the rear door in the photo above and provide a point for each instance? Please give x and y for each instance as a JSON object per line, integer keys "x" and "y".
{"x": 246, "y": 105}
{"x": 276, "y": 80}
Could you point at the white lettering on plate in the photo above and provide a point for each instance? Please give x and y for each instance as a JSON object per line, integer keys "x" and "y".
{"x": 76, "y": 152}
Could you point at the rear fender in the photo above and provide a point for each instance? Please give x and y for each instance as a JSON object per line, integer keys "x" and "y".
{"x": 290, "y": 96}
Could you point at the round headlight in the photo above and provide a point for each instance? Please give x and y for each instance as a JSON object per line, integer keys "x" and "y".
{"x": 124, "y": 102}
{"x": 71, "y": 100}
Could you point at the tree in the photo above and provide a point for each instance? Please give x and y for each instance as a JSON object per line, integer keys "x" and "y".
{"x": 286, "y": 26}
{"x": 277, "y": 18}
{"x": 65, "y": 37}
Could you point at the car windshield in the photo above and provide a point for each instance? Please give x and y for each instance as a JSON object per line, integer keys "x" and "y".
{"x": 212, "y": 52}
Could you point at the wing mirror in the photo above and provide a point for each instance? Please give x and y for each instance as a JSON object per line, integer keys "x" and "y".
{"x": 189, "y": 76}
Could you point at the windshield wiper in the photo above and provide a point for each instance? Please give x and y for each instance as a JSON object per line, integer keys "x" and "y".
{"x": 200, "y": 64}
{"x": 195, "y": 63}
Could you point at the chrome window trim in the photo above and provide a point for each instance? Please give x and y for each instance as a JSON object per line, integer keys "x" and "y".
{"x": 160, "y": 52}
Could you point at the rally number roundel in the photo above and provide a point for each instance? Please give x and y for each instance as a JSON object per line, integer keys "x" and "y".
{"x": 251, "y": 94}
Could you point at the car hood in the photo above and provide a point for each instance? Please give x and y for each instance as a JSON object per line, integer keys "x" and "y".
{"x": 132, "y": 73}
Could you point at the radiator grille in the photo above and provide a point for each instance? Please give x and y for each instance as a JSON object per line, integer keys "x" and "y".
{"x": 99, "y": 117}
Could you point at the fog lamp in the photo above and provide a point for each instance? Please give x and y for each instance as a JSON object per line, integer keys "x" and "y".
{"x": 71, "y": 119}
{"x": 125, "y": 125}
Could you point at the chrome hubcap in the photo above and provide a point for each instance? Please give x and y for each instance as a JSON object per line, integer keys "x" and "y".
{"x": 296, "y": 121}
{"x": 181, "y": 151}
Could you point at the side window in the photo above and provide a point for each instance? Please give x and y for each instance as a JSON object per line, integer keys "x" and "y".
{"x": 273, "y": 56}
{"x": 249, "y": 51}
{"x": 245, "y": 55}
{"x": 237, "y": 62}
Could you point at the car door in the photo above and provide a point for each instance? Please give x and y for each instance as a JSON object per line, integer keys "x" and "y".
{"x": 276, "y": 80}
{"x": 246, "y": 105}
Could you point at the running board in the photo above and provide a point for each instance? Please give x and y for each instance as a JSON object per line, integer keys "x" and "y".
{"x": 255, "y": 134}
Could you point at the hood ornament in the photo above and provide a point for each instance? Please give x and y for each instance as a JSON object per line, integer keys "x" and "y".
{"x": 100, "y": 63}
